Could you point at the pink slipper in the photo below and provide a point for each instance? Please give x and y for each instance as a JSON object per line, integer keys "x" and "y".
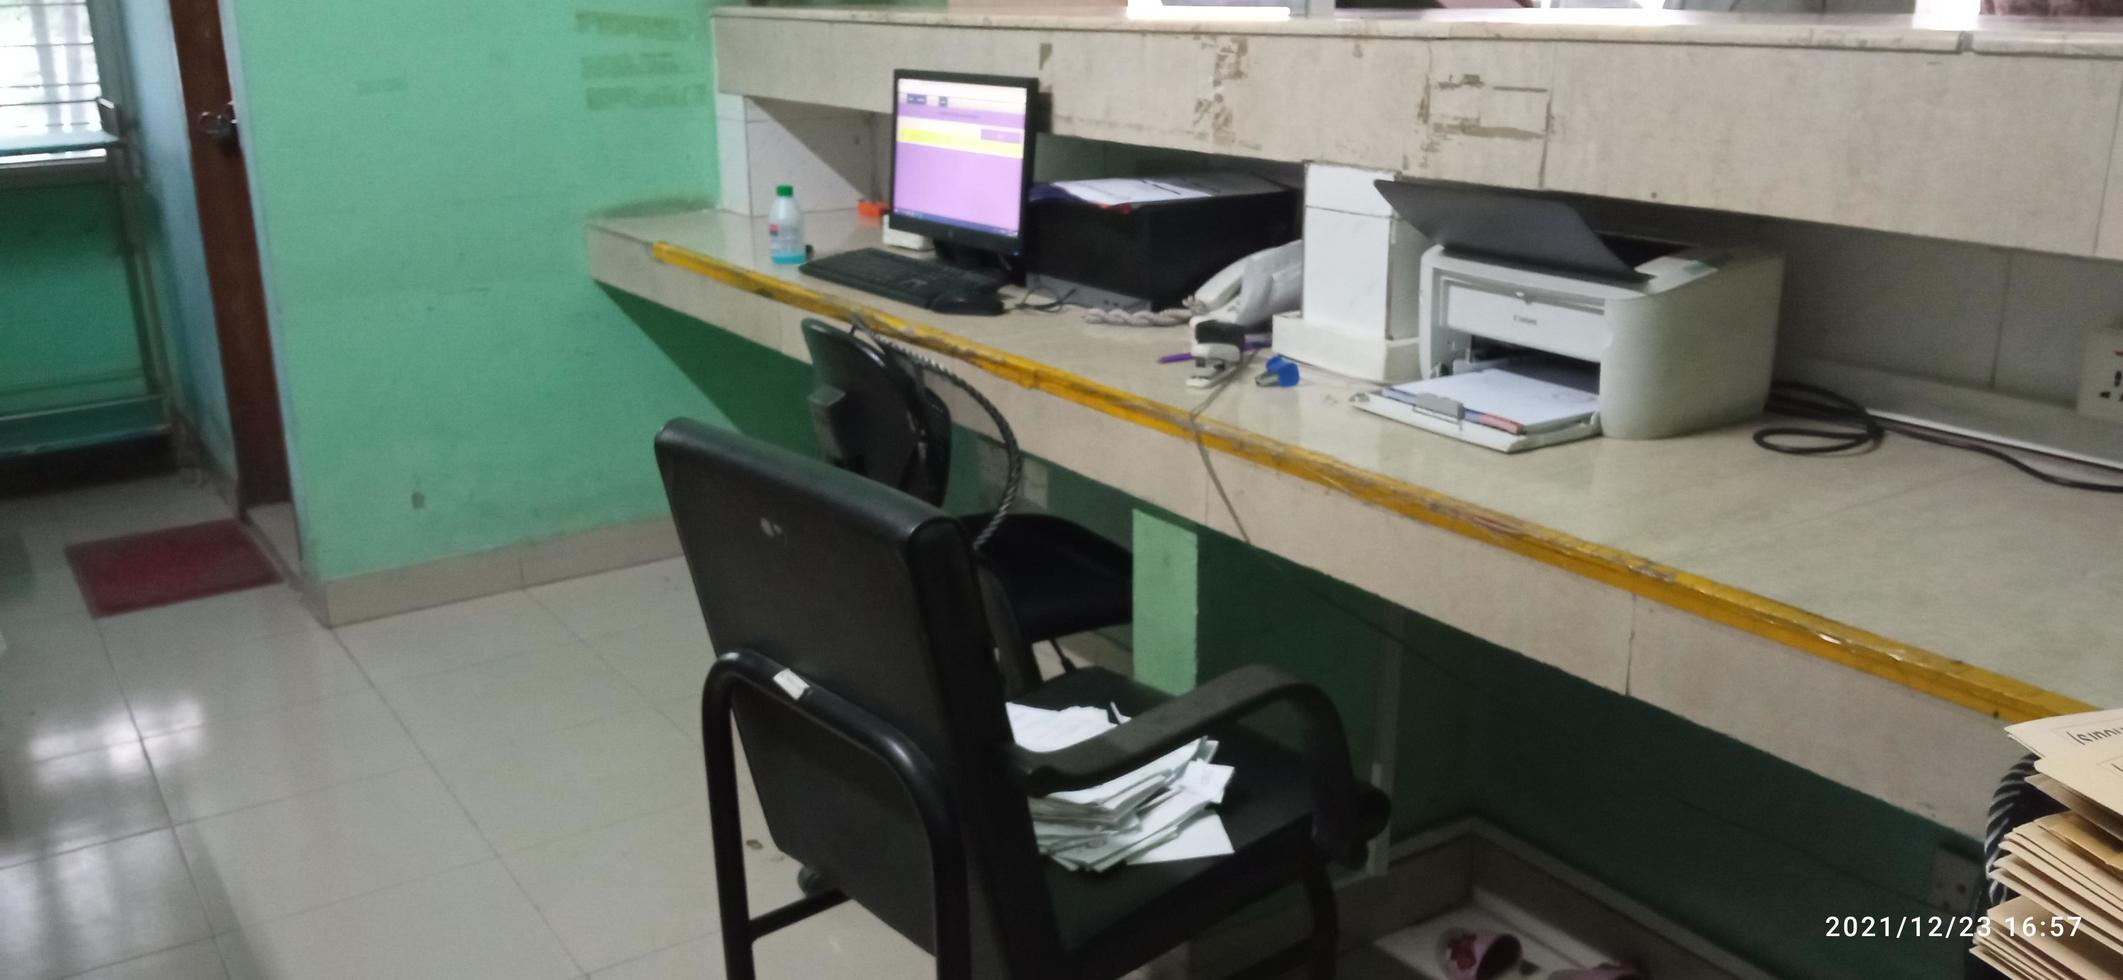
{"x": 1477, "y": 955}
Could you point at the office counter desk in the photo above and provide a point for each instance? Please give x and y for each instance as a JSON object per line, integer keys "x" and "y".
{"x": 1874, "y": 618}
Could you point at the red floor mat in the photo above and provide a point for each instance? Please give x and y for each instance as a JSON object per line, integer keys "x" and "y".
{"x": 141, "y": 571}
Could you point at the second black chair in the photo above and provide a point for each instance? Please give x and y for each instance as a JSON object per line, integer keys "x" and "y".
{"x": 875, "y": 415}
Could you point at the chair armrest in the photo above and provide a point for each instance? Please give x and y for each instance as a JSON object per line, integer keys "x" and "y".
{"x": 1323, "y": 748}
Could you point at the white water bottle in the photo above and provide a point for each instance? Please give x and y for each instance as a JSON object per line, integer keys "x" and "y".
{"x": 785, "y": 228}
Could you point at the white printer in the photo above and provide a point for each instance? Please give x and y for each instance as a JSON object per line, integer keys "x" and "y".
{"x": 1594, "y": 333}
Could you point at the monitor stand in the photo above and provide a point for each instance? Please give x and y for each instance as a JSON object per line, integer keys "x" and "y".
{"x": 982, "y": 261}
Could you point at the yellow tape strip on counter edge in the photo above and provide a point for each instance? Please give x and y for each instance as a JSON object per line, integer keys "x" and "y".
{"x": 1943, "y": 677}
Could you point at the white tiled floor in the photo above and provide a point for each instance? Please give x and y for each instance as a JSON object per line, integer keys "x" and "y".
{"x": 508, "y": 787}
{"x": 503, "y": 788}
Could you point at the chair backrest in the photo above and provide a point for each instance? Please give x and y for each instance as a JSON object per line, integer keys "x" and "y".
{"x": 872, "y": 595}
{"x": 874, "y": 415}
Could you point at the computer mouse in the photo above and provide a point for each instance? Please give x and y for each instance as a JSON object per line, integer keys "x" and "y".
{"x": 982, "y": 302}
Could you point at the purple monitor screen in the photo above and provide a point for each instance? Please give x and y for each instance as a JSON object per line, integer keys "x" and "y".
{"x": 958, "y": 156}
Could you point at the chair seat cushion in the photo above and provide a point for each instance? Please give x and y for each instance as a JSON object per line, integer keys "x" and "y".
{"x": 1060, "y": 577}
{"x": 1266, "y": 811}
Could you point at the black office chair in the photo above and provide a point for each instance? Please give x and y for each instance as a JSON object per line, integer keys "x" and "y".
{"x": 862, "y": 677}
{"x": 875, "y": 415}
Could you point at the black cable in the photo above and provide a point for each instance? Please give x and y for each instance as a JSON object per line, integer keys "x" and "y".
{"x": 1058, "y": 304}
{"x": 1014, "y": 478}
{"x": 1068, "y": 666}
{"x": 1276, "y": 566}
{"x": 1849, "y": 428}
{"x": 1025, "y": 303}
{"x": 1809, "y": 402}
{"x": 2015, "y": 802}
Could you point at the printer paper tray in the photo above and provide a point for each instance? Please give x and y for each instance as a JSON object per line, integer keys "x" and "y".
{"x": 1475, "y": 432}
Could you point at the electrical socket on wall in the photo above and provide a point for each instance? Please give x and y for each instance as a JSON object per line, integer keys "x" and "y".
{"x": 1955, "y": 879}
{"x": 2101, "y": 374}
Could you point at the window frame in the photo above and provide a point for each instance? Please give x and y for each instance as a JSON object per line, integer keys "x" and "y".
{"x": 108, "y": 31}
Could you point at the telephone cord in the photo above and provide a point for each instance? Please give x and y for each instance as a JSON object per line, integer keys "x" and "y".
{"x": 1014, "y": 476}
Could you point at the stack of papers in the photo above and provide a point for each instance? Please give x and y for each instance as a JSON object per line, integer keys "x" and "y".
{"x": 2067, "y": 921}
{"x": 1501, "y": 398}
{"x": 1112, "y": 192}
{"x": 1160, "y": 812}
{"x": 2024, "y": 939}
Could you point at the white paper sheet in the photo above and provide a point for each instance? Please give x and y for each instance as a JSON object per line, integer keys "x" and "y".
{"x": 2094, "y": 771}
{"x": 1044, "y": 730}
{"x": 1530, "y": 403}
{"x": 1158, "y": 774}
{"x": 1109, "y": 192}
{"x": 1160, "y": 824}
{"x": 1158, "y": 812}
{"x": 1207, "y": 780}
{"x": 2062, "y": 733}
{"x": 1204, "y": 837}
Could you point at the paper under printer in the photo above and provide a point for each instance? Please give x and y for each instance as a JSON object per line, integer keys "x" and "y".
{"x": 1679, "y": 338}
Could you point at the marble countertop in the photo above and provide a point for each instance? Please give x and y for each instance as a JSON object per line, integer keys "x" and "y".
{"x": 1932, "y": 558}
{"x": 2050, "y": 37}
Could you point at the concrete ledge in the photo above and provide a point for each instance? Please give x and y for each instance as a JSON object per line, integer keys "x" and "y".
{"x": 1861, "y": 119}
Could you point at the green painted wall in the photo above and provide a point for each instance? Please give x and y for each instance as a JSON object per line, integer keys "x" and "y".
{"x": 452, "y": 379}
{"x": 1167, "y": 602}
{"x": 66, "y": 316}
{"x": 757, "y": 391}
{"x": 169, "y": 216}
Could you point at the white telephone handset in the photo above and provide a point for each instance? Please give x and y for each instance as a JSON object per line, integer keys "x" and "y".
{"x": 1221, "y": 288}
{"x": 1235, "y": 305}
{"x": 1254, "y": 288}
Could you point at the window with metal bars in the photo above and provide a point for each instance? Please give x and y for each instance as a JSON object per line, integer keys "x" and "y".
{"x": 49, "y": 81}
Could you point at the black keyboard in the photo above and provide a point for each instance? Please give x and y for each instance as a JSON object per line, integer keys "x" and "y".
{"x": 900, "y": 277}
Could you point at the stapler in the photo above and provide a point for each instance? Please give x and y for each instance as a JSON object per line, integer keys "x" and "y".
{"x": 1219, "y": 348}
{"x": 1236, "y": 306}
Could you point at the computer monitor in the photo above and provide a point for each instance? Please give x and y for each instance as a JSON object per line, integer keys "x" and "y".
{"x": 962, "y": 157}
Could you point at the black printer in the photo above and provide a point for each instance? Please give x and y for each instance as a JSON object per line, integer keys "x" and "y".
{"x": 1135, "y": 241}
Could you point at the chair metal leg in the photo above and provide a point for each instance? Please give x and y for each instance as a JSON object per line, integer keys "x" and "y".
{"x": 739, "y": 929}
{"x": 723, "y": 833}
{"x": 1326, "y": 922}
{"x": 794, "y": 912}
{"x": 926, "y": 790}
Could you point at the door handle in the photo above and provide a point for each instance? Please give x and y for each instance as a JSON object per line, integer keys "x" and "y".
{"x": 219, "y": 125}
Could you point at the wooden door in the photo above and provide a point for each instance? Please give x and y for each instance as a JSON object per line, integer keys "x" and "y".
{"x": 231, "y": 241}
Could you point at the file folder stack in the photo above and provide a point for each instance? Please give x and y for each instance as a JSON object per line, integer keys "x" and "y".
{"x": 1160, "y": 812}
{"x": 2066, "y": 922}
